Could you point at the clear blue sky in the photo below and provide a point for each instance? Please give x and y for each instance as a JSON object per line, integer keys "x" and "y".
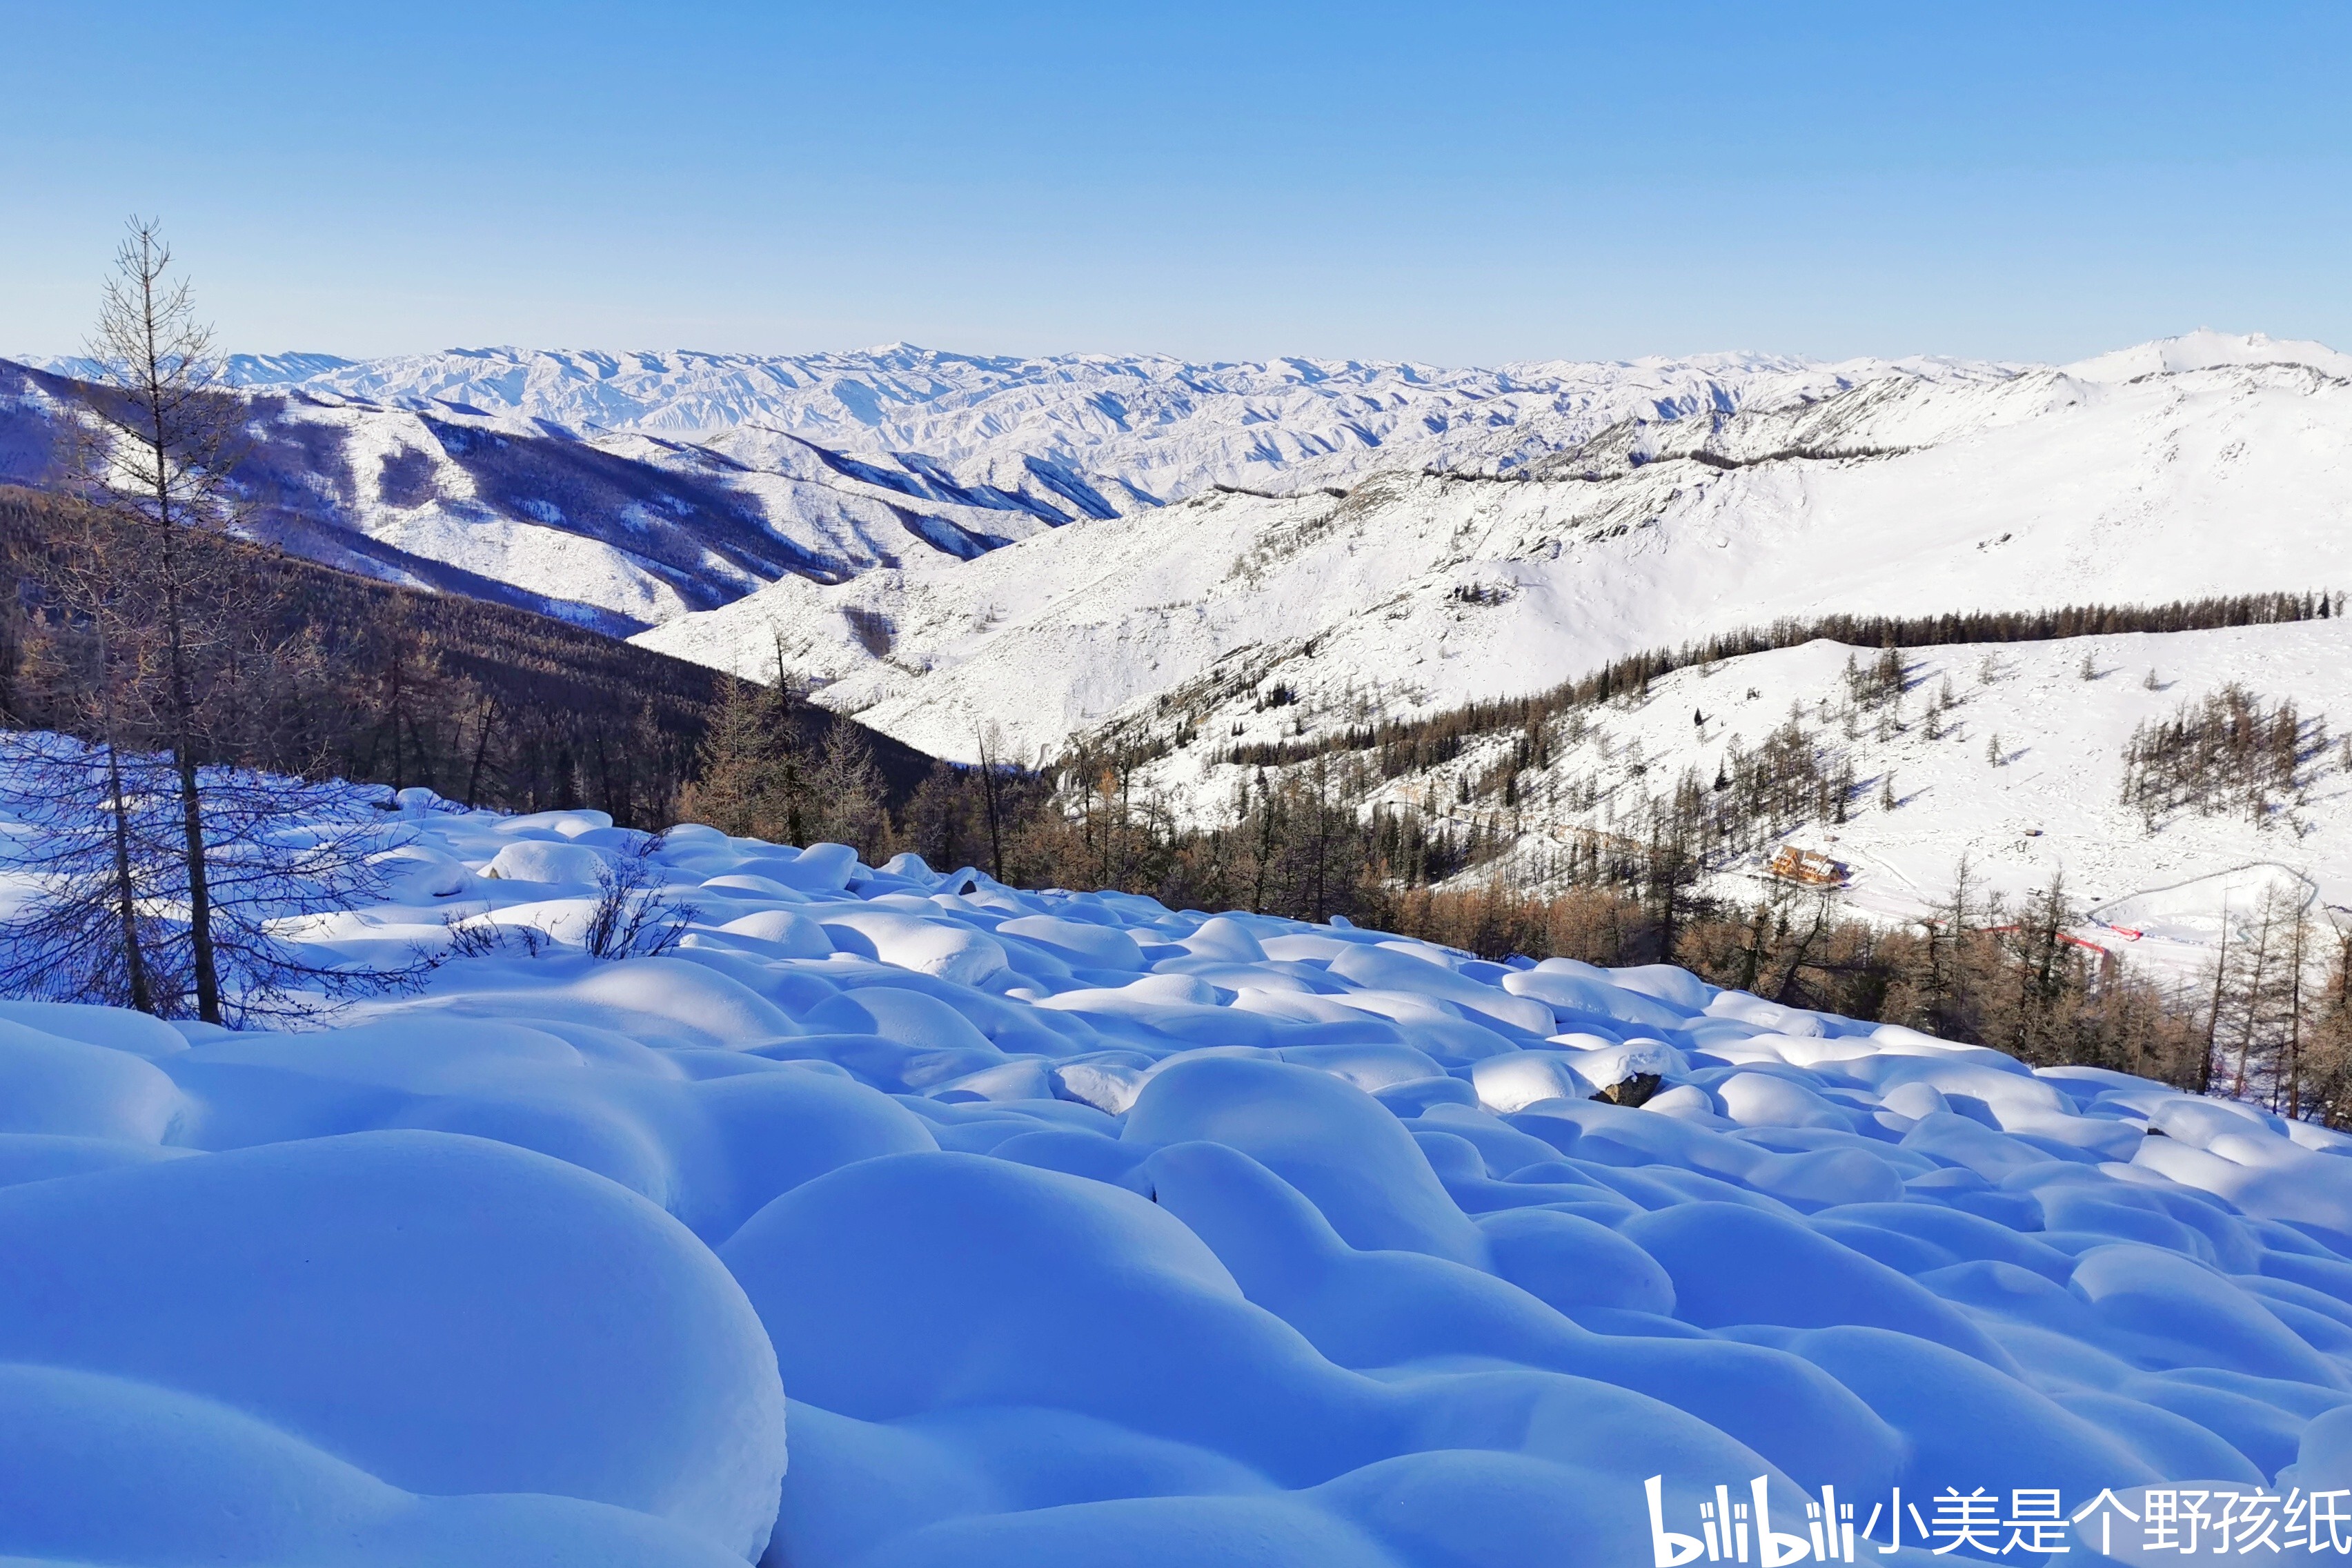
{"x": 1454, "y": 183}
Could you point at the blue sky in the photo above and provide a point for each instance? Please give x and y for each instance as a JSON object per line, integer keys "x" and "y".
{"x": 1458, "y": 184}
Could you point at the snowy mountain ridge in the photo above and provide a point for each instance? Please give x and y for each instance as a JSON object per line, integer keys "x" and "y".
{"x": 1664, "y": 504}
{"x": 1422, "y": 591}
{"x": 625, "y": 490}
{"x": 1157, "y": 428}
{"x": 2204, "y": 350}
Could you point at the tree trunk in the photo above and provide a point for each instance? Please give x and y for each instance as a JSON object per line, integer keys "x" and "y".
{"x": 481, "y": 749}
{"x": 2213, "y": 1009}
{"x": 2255, "y": 984}
{"x": 126, "y": 894}
{"x": 181, "y": 695}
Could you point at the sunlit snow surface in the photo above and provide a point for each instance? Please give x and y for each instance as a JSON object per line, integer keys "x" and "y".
{"x": 1064, "y": 1228}
{"x": 1902, "y": 495}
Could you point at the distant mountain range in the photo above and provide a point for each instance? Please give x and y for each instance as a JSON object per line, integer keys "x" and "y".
{"x": 2196, "y": 465}
{"x": 1144, "y": 429}
{"x": 623, "y": 491}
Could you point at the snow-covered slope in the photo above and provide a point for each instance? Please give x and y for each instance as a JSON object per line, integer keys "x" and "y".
{"x": 2052, "y": 803}
{"x": 630, "y": 489}
{"x": 2204, "y": 349}
{"x": 621, "y": 531}
{"x": 1057, "y": 1228}
{"x": 627, "y": 490}
{"x": 2177, "y": 471}
{"x": 1417, "y": 592}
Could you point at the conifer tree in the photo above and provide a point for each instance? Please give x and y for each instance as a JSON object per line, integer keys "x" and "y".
{"x": 747, "y": 766}
{"x": 846, "y": 793}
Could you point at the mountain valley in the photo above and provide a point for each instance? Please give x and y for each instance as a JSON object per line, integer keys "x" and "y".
{"x": 1184, "y": 566}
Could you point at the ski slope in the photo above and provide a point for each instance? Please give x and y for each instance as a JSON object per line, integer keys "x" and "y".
{"x": 901, "y": 1219}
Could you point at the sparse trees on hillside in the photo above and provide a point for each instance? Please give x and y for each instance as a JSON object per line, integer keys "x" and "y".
{"x": 170, "y": 864}
{"x": 1418, "y": 744}
{"x": 492, "y": 705}
{"x": 1874, "y": 687}
{"x": 2323, "y": 1086}
{"x": 2273, "y": 1028}
{"x": 2049, "y": 977}
{"x": 758, "y": 774}
{"x": 1673, "y": 857}
{"x": 749, "y": 773}
{"x": 1939, "y": 994}
{"x": 1306, "y": 841}
{"x": 943, "y": 820}
{"x": 2230, "y": 751}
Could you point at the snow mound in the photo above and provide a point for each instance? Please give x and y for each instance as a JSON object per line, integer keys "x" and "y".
{"x": 450, "y": 1314}
{"x": 1077, "y": 1229}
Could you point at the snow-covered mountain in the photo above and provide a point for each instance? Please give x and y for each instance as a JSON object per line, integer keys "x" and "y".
{"x": 1416, "y": 591}
{"x": 620, "y": 531}
{"x": 2024, "y": 774}
{"x": 1155, "y": 428}
{"x": 1365, "y": 539}
{"x": 628, "y": 490}
{"x": 2200, "y": 466}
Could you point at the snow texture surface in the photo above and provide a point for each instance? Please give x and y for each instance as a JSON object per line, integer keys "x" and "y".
{"x": 1066, "y": 1228}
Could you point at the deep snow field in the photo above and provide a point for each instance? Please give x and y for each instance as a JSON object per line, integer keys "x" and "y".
{"x": 1048, "y": 1229}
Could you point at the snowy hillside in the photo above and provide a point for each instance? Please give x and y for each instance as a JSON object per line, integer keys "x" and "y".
{"x": 2200, "y": 466}
{"x": 2053, "y": 804}
{"x": 902, "y": 1220}
{"x": 1418, "y": 592}
{"x": 620, "y": 531}
{"x": 625, "y": 491}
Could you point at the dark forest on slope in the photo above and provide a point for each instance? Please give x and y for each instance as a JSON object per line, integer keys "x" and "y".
{"x": 343, "y": 675}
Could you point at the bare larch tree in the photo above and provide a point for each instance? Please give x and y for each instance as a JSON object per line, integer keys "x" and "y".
{"x": 155, "y": 449}
{"x": 157, "y": 864}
